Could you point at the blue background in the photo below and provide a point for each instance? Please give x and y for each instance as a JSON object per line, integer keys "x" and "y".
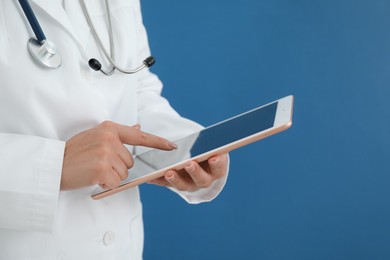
{"x": 317, "y": 191}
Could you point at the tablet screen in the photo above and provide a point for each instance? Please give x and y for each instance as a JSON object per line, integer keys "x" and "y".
{"x": 211, "y": 138}
{"x": 234, "y": 129}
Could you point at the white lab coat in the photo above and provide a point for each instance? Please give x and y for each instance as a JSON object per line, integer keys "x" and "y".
{"x": 40, "y": 109}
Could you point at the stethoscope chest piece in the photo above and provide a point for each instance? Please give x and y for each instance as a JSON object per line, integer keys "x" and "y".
{"x": 44, "y": 53}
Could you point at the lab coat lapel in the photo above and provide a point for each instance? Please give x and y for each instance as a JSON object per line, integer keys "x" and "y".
{"x": 54, "y": 10}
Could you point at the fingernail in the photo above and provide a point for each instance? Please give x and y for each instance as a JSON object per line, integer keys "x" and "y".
{"x": 172, "y": 145}
{"x": 213, "y": 161}
{"x": 170, "y": 176}
{"x": 190, "y": 168}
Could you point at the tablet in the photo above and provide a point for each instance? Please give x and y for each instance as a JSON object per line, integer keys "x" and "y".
{"x": 219, "y": 138}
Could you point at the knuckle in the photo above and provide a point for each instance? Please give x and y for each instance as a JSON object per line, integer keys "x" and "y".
{"x": 100, "y": 168}
{"x": 106, "y": 124}
{"x": 107, "y": 136}
{"x": 103, "y": 152}
{"x": 127, "y": 159}
{"x": 130, "y": 163}
{"x": 141, "y": 137}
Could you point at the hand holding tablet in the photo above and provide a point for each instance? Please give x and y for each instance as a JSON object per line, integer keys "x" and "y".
{"x": 214, "y": 140}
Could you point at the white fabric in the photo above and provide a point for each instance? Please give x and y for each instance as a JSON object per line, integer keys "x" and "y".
{"x": 40, "y": 109}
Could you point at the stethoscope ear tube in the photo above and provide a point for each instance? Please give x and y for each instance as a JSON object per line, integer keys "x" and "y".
{"x": 149, "y": 61}
{"x": 97, "y": 66}
{"x": 94, "y": 63}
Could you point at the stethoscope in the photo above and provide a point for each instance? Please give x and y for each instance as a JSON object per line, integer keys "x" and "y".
{"x": 45, "y": 53}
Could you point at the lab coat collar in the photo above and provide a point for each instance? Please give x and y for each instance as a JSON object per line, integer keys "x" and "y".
{"x": 57, "y": 13}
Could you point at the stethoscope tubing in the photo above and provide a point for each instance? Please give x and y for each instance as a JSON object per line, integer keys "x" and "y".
{"x": 44, "y": 52}
{"x": 32, "y": 19}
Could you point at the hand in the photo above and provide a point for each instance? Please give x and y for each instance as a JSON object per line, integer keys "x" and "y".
{"x": 195, "y": 175}
{"x": 98, "y": 155}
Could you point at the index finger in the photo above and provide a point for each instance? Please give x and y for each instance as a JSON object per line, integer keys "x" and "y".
{"x": 133, "y": 135}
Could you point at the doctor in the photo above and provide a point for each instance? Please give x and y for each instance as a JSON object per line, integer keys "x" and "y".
{"x": 63, "y": 132}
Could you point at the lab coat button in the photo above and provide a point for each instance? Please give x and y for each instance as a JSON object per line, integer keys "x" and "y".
{"x": 108, "y": 238}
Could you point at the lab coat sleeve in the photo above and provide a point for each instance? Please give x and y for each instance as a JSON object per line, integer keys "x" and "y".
{"x": 30, "y": 173}
{"x": 158, "y": 117}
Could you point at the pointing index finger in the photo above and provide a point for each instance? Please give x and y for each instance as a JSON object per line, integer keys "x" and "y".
{"x": 133, "y": 135}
